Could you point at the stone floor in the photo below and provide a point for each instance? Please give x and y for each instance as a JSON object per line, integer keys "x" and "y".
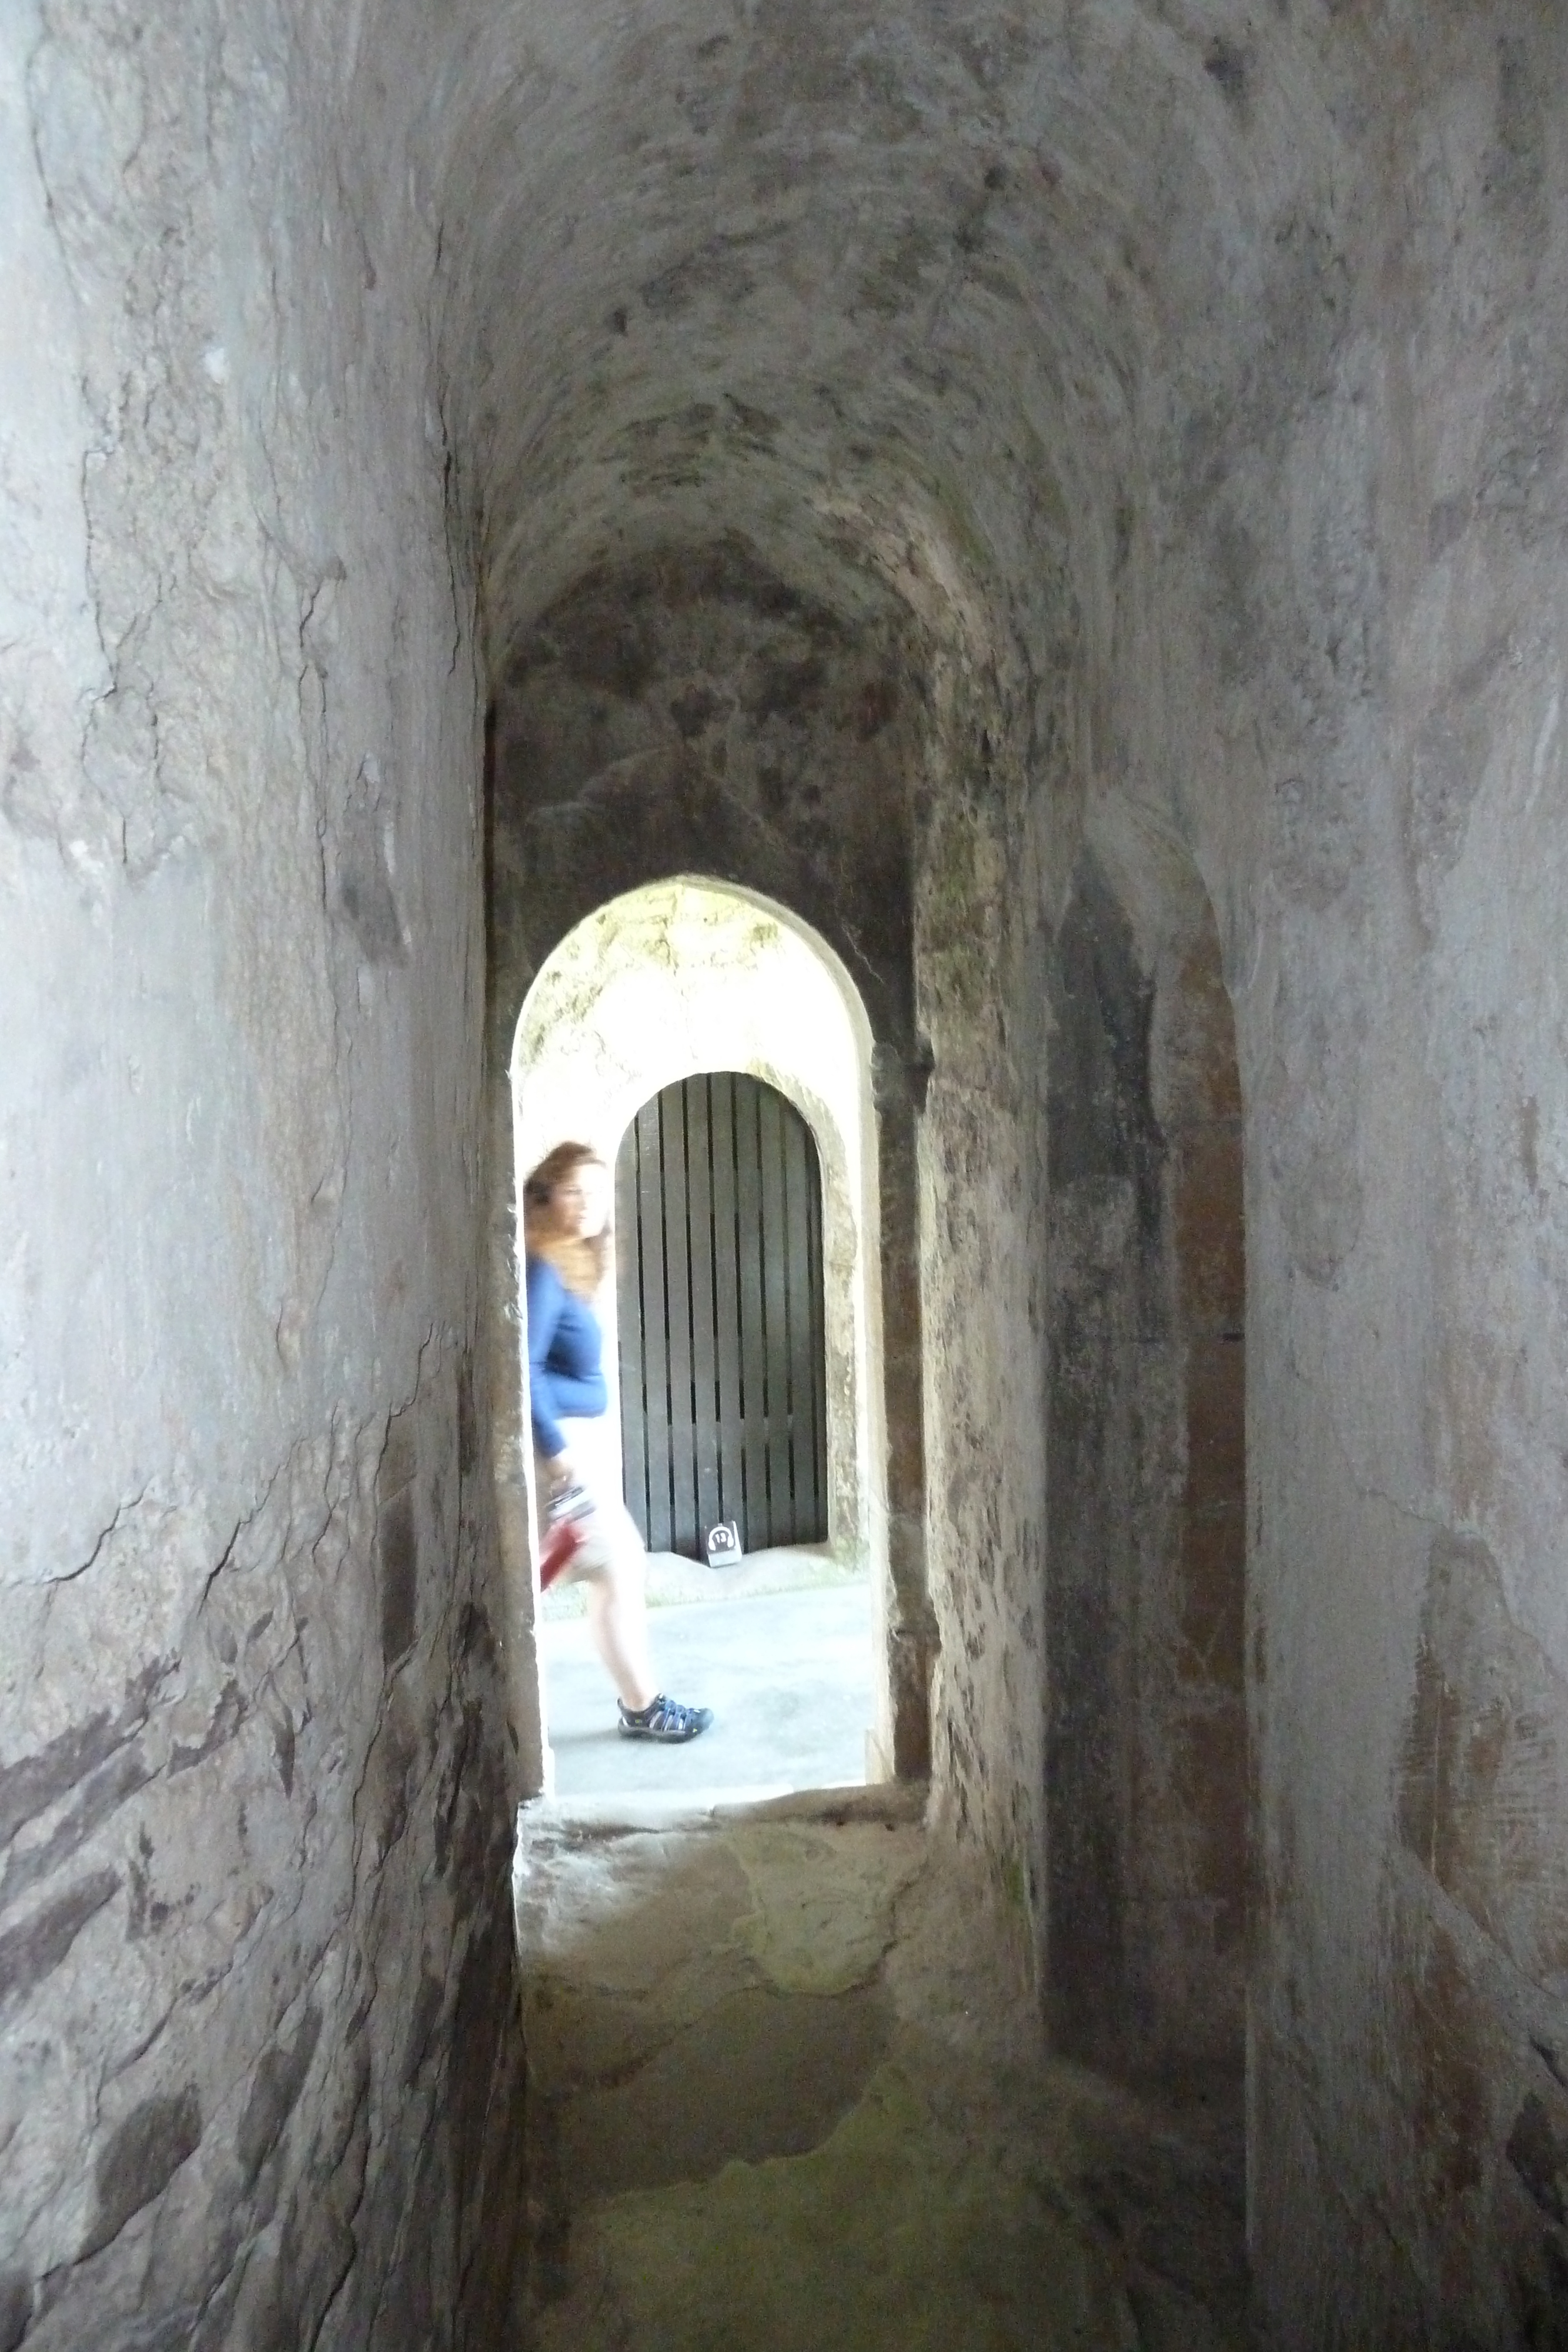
{"x": 783, "y": 1657}
{"x": 785, "y": 2095}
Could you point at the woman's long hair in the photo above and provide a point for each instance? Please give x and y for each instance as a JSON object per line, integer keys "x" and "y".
{"x": 582, "y": 1261}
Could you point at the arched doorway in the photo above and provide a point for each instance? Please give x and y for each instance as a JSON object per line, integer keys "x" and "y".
{"x": 675, "y": 981}
{"x": 724, "y": 1404}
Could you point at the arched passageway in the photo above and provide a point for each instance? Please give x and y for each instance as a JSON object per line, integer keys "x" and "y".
{"x": 692, "y": 713}
{"x": 689, "y": 976}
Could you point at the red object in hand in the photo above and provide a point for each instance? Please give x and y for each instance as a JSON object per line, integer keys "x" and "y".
{"x": 561, "y": 1547}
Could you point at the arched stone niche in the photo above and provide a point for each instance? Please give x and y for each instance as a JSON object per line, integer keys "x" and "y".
{"x": 662, "y": 982}
{"x": 1146, "y": 1727}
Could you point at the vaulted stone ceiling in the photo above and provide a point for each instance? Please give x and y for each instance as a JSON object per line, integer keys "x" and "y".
{"x": 956, "y": 297}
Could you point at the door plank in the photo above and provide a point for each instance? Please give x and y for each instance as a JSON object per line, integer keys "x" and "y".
{"x": 727, "y": 1380}
{"x": 632, "y": 1346}
{"x": 753, "y": 1321}
{"x": 655, "y": 1322}
{"x": 775, "y": 1311}
{"x": 678, "y": 1292}
{"x": 704, "y": 1381}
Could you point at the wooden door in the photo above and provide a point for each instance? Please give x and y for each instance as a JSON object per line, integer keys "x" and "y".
{"x": 718, "y": 1232}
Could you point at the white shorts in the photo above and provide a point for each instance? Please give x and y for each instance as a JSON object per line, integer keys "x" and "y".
{"x": 610, "y": 1544}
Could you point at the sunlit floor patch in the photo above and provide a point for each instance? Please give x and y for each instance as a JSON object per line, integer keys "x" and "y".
{"x": 787, "y": 1674}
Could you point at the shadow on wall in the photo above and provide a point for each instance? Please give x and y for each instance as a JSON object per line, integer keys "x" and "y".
{"x": 1146, "y": 1764}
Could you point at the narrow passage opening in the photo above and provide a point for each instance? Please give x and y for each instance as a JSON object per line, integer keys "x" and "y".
{"x": 709, "y": 1050}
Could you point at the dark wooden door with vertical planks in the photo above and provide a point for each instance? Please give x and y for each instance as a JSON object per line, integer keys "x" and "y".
{"x": 719, "y": 1236}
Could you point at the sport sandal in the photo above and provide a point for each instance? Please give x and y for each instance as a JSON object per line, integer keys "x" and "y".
{"x": 664, "y": 1718}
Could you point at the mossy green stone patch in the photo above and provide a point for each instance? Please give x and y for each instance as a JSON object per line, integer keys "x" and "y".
{"x": 890, "y": 2235}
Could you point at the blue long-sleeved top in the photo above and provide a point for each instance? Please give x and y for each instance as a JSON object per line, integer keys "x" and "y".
{"x": 565, "y": 1350}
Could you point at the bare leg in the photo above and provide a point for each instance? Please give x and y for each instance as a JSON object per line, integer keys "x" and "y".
{"x": 618, "y": 1621}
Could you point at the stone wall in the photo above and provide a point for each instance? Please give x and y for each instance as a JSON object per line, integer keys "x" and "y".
{"x": 983, "y": 886}
{"x": 257, "y": 2035}
{"x": 1362, "y": 707}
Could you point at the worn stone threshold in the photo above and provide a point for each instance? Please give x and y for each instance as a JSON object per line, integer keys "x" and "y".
{"x": 893, "y": 1802}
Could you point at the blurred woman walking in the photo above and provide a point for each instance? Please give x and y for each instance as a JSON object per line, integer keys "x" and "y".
{"x": 569, "y": 1252}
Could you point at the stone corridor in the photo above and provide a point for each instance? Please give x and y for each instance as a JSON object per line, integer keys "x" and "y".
{"x": 786, "y": 2091}
{"x": 1045, "y": 521}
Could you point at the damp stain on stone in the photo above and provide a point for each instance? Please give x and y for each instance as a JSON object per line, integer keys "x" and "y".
{"x": 365, "y": 896}
{"x": 875, "y": 707}
{"x": 1452, "y": 2107}
{"x": 1484, "y": 1768}
{"x": 781, "y": 686}
{"x": 102, "y": 1794}
{"x": 16, "y": 2299}
{"x": 1540, "y": 2158}
{"x": 694, "y": 709}
{"x": 36, "y": 1945}
{"x": 720, "y": 271}
{"x": 274, "y": 2092}
{"x": 34, "y": 1783}
{"x": 139, "y": 2159}
{"x": 605, "y": 649}
{"x": 748, "y": 427}
{"x": 1530, "y": 1141}
{"x": 1225, "y": 63}
{"x": 1516, "y": 177}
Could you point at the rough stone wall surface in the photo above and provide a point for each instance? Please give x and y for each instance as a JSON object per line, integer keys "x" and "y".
{"x": 1197, "y": 378}
{"x": 257, "y": 2047}
{"x": 1371, "y": 725}
{"x": 696, "y": 709}
{"x": 980, "y": 895}
{"x": 1365, "y": 713}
